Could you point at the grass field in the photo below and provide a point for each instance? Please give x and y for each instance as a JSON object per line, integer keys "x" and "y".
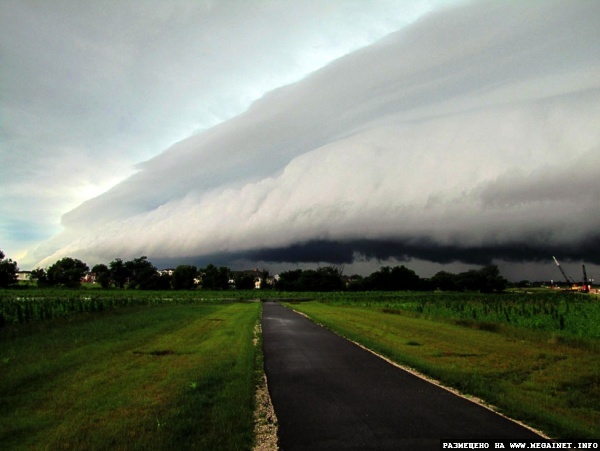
{"x": 148, "y": 377}
{"x": 546, "y": 379}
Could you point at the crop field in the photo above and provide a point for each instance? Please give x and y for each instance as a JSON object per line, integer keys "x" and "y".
{"x": 563, "y": 314}
{"x": 30, "y": 305}
{"x": 535, "y": 358}
{"x": 146, "y": 374}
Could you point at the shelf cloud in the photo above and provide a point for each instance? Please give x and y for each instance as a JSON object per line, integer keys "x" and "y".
{"x": 468, "y": 136}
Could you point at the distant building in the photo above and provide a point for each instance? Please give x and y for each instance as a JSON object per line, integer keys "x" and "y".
{"x": 261, "y": 278}
{"x": 90, "y": 277}
{"x": 23, "y": 276}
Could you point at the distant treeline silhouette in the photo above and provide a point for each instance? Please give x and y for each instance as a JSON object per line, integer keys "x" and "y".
{"x": 140, "y": 273}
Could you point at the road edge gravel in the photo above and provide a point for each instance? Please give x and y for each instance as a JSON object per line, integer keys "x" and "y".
{"x": 265, "y": 420}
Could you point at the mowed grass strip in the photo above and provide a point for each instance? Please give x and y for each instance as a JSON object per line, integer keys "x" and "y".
{"x": 546, "y": 384}
{"x": 160, "y": 377}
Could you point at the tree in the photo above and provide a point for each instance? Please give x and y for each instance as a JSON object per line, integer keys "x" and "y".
{"x": 289, "y": 280}
{"x": 184, "y": 277}
{"x": 143, "y": 274}
{"x": 39, "y": 275}
{"x": 491, "y": 280}
{"x": 8, "y": 271}
{"x": 393, "y": 279}
{"x": 119, "y": 274}
{"x": 245, "y": 280}
{"x": 327, "y": 278}
{"x": 102, "y": 273}
{"x": 404, "y": 278}
{"x": 162, "y": 282}
{"x": 214, "y": 278}
{"x": 309, "y": 280}
{"x": 486, "y": 280}
{"x": 357, "y": 283}
{"x": 445, "y": 281}
{"x": 67, "y": 272}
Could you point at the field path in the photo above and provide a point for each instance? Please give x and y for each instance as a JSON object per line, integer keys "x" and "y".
{"x": 329, "y": 393}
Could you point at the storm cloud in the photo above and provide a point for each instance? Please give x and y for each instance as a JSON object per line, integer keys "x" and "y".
{"x": 90, "y": 89}
{"x": 470, "y": 135}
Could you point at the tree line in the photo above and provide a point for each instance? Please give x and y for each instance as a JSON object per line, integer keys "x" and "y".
{"x": 398, "y": 278}
{"x": 140, "y": 273}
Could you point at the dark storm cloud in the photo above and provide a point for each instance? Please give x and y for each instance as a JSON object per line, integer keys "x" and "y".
{"x": 338, "y": 252}
{"x": 470, "y": 136}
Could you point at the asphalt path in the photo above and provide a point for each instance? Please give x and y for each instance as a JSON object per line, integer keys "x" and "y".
{"x": 329, "y": 393}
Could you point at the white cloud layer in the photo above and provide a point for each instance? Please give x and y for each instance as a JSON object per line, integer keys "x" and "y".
{"x": 90, "y": 89}
{"x": 474, "y": 128}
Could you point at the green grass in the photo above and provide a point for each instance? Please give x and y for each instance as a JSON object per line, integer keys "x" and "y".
{"x": 534, "y": 376}
{"x": 154, "y": 377}
{"x": 128, "y": 369}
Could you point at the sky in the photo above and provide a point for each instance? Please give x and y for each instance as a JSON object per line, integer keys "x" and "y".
{"x": 435, "y": 134}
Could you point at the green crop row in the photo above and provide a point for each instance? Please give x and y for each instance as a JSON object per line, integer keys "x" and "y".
{"x": 23, "y": 306}
{"x": 570, "y": 314}
{"x": 574, "y": 315}
{"x": 35, "y": 304}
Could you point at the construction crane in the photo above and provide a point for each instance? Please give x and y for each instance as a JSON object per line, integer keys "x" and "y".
{"x": 586, "y": 286}
{"x": 567, "y": 278}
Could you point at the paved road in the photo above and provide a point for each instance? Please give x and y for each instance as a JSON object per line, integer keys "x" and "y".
{"x": 330, "y": 394}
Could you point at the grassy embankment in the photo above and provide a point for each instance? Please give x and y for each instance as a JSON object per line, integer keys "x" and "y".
{"x": 549, "y": 379}
{"x": 145, "y": 377}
